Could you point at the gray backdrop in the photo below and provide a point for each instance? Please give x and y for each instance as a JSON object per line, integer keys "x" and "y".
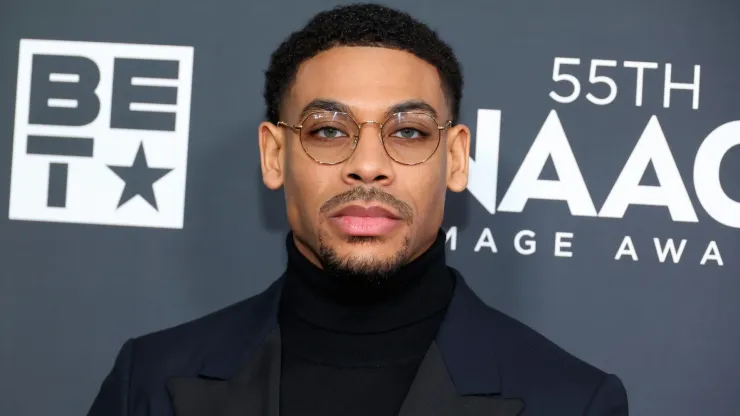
{"x": 79, "y": 275}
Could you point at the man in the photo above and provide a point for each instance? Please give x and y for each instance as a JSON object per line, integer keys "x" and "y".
{"x": 362, "y": 135}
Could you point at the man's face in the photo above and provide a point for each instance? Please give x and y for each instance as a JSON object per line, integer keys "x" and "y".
{"x": 369, "y": 214}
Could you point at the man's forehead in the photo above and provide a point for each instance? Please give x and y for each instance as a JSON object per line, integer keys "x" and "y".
{"x": 367, "y": 80}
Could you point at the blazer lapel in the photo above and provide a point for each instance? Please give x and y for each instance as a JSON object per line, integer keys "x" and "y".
{"x": 433, "y": 393}
{"x": 252, "y": 391}
{"x": 197, "y": 396}
{"x": 240, "y": 366}
{"x": 255, "y": 388}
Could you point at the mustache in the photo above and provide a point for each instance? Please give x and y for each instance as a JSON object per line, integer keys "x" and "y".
{"x": 369, "y": 194}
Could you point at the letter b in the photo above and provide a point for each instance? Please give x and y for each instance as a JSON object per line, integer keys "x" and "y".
{"x": 63, "y": 91}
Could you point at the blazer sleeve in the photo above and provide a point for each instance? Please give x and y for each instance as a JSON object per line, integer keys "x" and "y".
{"x": 112, "y": 398}
{"x": 610, "y": 399}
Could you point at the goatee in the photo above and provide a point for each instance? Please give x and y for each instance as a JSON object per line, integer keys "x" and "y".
{"x": 361, "y": 271}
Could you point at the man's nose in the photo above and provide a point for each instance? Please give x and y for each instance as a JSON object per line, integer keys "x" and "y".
{"x": 369, "y": 163}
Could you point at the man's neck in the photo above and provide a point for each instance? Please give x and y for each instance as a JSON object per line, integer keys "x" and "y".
{"x": 416, "y": 290}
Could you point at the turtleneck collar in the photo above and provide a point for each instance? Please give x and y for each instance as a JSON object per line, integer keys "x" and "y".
{"x": 418, "y": 290}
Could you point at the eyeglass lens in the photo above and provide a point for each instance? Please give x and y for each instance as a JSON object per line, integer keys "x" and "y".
{"x": 330, "y": 137}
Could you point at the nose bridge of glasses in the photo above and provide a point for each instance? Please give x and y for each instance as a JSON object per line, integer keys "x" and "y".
{"x": 366, "y": 122}
{"x": 377, "y": 133}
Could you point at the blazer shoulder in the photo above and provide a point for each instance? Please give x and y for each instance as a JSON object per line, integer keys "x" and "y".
{"x": 179, "y": 345}
{"x": 547, "y": 376}
{"x": 145, "y": 363}
{"x": 522, "y": 351}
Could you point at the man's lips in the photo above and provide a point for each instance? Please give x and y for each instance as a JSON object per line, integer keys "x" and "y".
{"x": 366, "y": 212}
{"x": 356, "y": 220}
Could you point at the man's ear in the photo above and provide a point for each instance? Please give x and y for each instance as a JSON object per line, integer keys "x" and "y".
{"x": 458, "y": 157}
{"x": 271, "y": 142}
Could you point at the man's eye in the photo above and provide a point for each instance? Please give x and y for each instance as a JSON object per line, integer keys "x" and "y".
{"x": 408, "y": 134}
{"x": 329, "y": 133}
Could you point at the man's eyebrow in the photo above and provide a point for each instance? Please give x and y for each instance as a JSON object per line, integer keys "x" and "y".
{"x": 323, "y": 105}
{"x": 412, "y": 106}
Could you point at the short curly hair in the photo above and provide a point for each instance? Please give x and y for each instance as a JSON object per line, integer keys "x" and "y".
{"x": 361, "y": 25}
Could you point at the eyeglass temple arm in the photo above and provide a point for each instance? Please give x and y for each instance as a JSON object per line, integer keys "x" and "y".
{"x": 294, "y": 127}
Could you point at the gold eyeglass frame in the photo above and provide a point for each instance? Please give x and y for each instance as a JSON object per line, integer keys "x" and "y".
{"x": 297, "y": 128}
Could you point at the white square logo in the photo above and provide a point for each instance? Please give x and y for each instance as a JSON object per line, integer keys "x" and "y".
{"x": 101, "y": 133}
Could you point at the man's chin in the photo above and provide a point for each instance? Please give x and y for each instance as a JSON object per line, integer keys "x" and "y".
{"x": 363, "y": 255}
{"x": 365, "y": 247}
{"x": 363, "y": 258}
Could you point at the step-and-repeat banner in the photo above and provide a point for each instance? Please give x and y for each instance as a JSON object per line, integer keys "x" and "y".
{"x": 603, "y": 207}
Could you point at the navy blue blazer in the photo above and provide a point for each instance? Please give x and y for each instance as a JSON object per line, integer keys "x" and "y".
{"x": 478, "y": 352}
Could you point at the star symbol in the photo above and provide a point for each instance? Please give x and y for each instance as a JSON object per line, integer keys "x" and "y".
{"x": 139, "y": 179}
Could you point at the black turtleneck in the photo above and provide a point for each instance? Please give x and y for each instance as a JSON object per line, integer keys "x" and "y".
{"x": 352, "y": 349}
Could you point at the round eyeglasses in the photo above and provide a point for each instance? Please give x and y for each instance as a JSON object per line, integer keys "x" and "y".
{"x": 330, "y": 137}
